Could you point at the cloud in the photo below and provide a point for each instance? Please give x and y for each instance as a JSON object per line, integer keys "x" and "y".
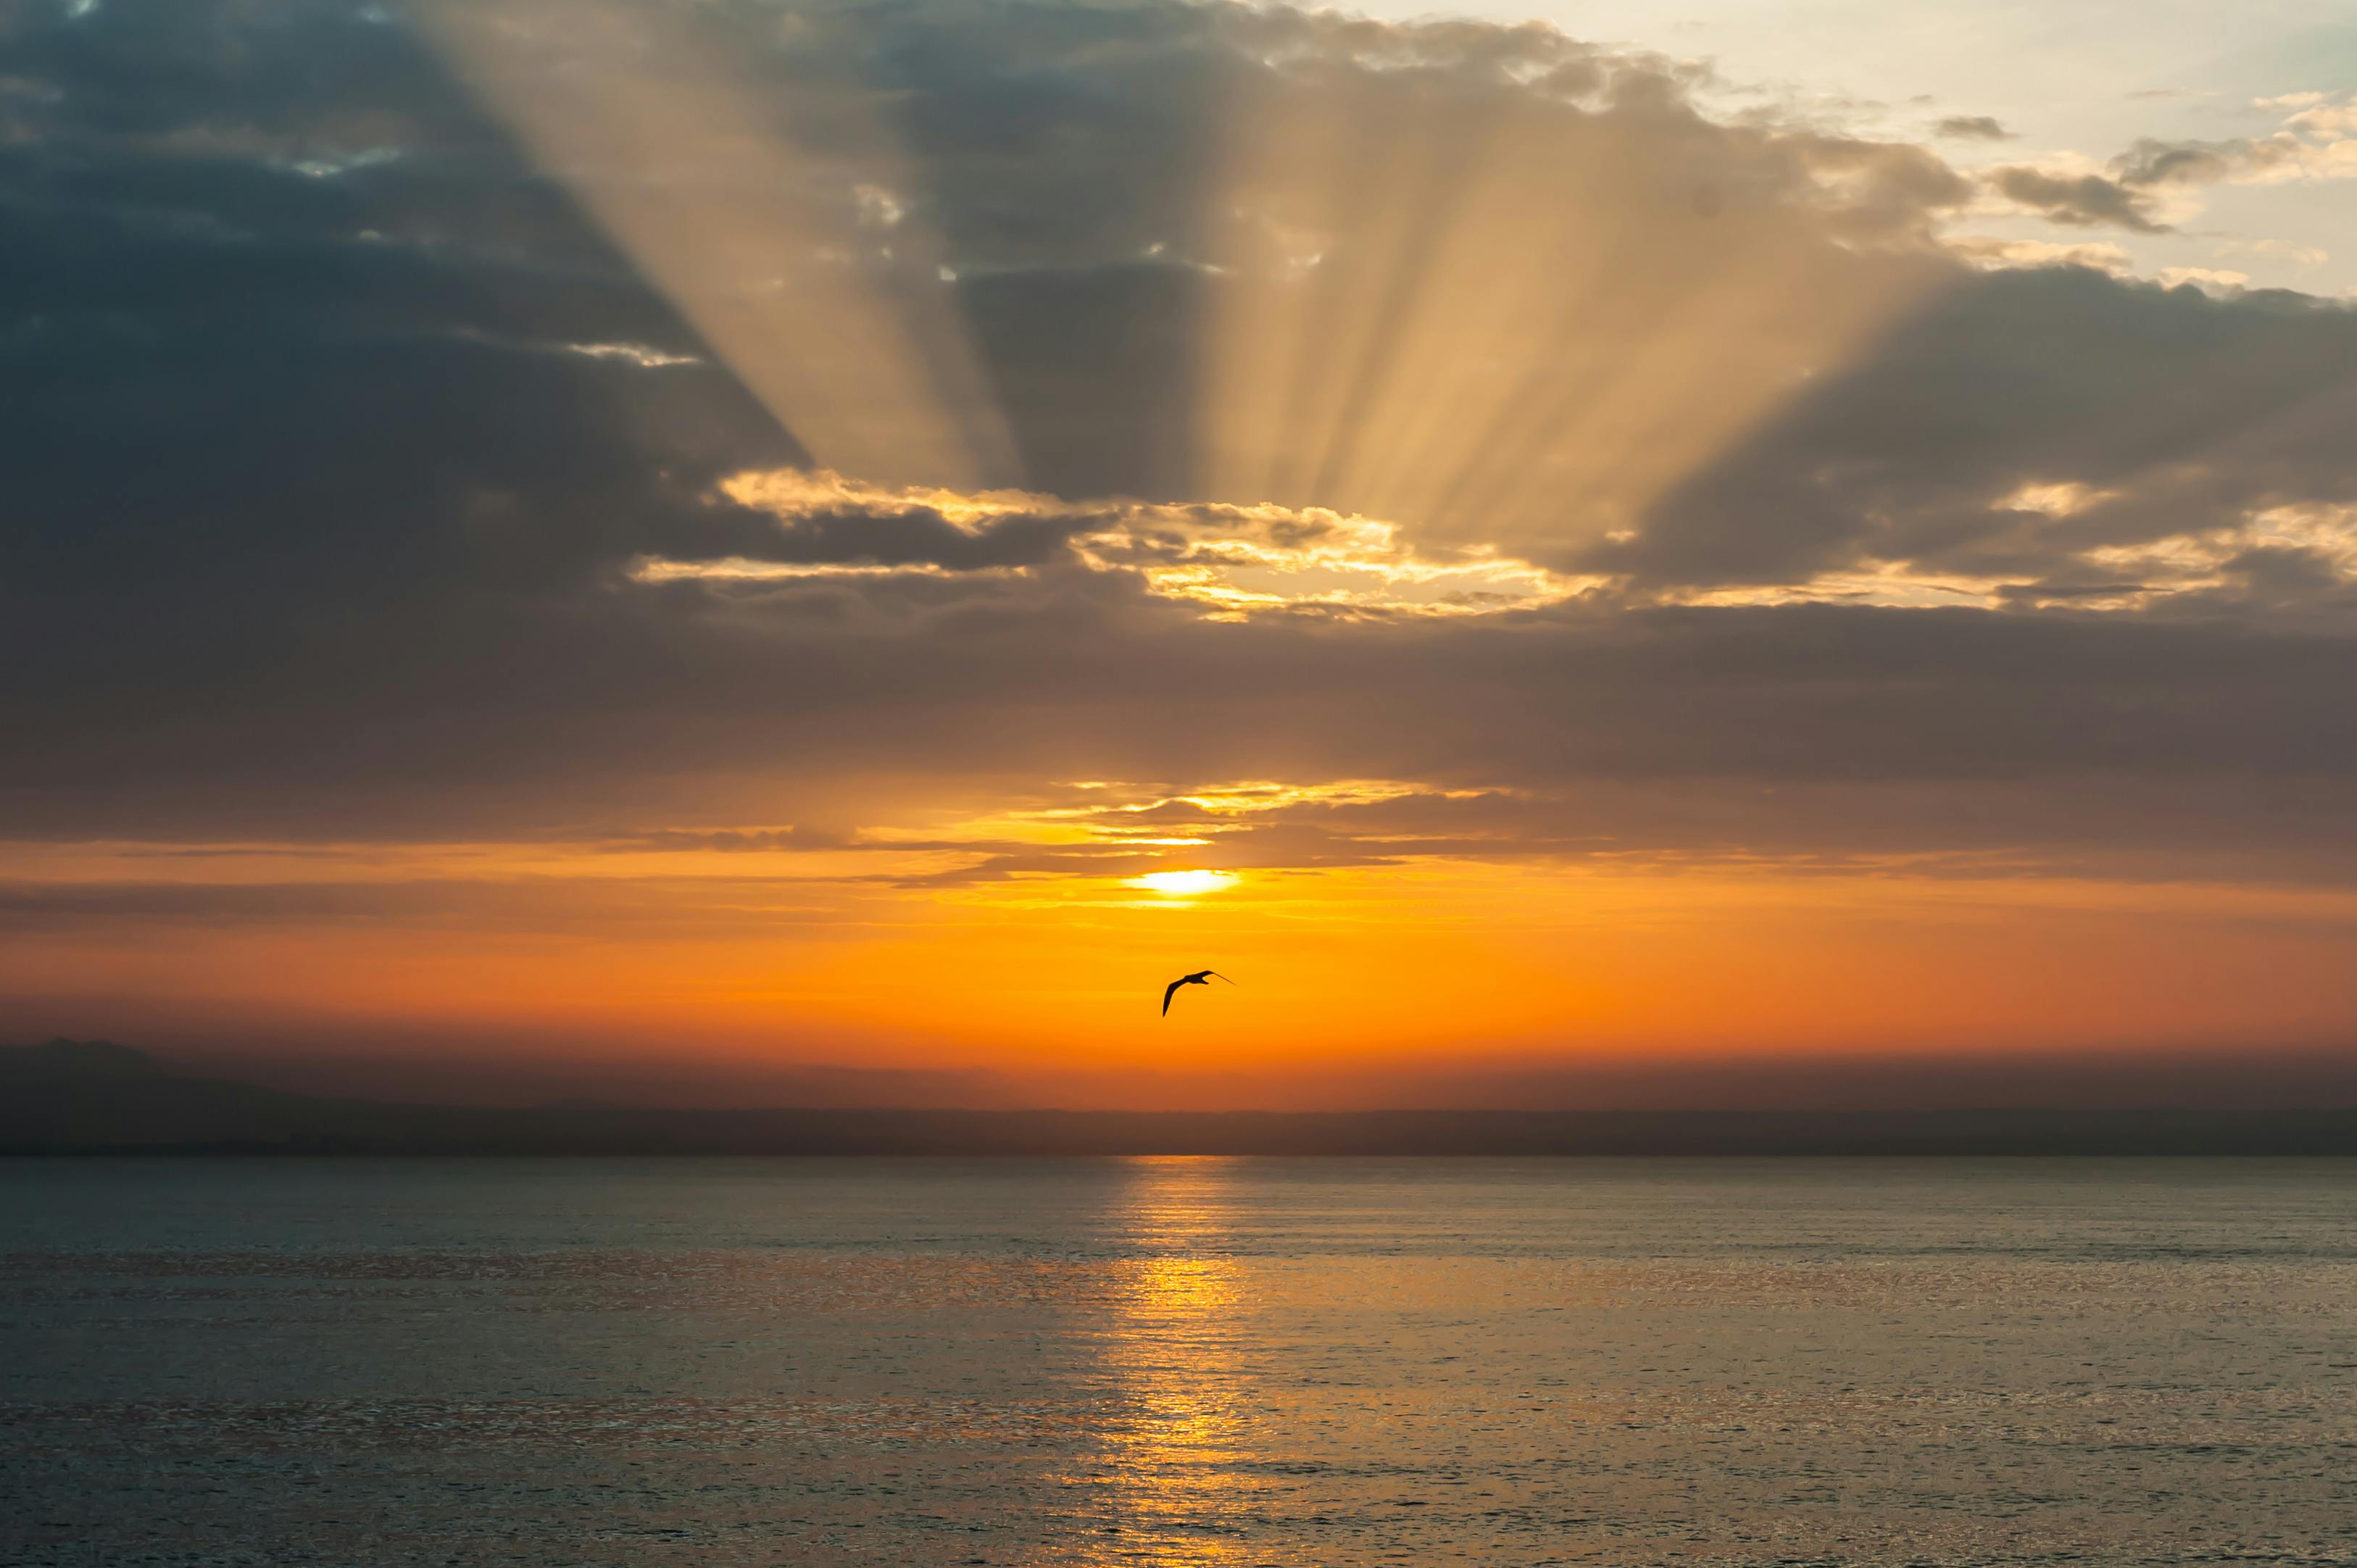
{"x": 1500, "y": 427}
{"x": 1231, "y": 561}
{"x": 2271, "y": 160}
{"x": 2277, "y": 249}
{"x": 2145, "y": 187}
{"x": 2099, "y": 255}
{"x": 2190, "y": 415}
{"x": 2077, "y": 200}
{"x": 2317, "y": 142}
{"x": 1972, "y": 128}
{"x": 2210, "y": 279}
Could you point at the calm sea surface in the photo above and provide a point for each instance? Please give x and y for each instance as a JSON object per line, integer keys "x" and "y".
{"x": 734, "y": 1362}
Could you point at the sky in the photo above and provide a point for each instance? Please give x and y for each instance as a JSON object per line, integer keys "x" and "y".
{"x": 734, "y": 551}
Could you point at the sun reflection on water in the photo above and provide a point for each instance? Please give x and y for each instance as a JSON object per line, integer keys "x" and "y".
{"x": 1170, "y": 1476}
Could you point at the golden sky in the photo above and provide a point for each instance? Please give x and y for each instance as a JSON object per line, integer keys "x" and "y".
{"x": 703, "y": 555}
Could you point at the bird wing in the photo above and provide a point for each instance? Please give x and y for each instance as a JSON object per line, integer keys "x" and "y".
{"x": 1168, "y": 992}
{"x": 1216, "y": 975}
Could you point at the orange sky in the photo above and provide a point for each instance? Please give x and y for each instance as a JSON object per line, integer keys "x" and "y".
{"x": 719, "y": 969}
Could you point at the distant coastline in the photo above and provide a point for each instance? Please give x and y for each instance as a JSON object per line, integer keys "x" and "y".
{"x": 69, "y": 1097}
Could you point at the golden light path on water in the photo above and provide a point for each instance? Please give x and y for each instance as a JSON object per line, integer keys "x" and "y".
{"x": 1171, "y": 1465}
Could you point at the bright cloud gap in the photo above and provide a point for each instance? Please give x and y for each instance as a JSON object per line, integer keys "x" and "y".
{"x": 1228, "y": 561}
{"x": 1231, "y": 562}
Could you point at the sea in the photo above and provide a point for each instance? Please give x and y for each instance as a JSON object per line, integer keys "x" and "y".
{"x": 1178, "y": 1361}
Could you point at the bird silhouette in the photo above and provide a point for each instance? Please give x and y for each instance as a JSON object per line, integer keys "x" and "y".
{"x": 1200, "y": 977}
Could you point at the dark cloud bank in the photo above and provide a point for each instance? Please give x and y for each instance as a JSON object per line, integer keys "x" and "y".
{"x": 93, "y": 1096}
{"x": 336, "y": 434}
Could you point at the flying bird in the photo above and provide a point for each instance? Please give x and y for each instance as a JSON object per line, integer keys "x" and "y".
{"x": 1200, "y": 977}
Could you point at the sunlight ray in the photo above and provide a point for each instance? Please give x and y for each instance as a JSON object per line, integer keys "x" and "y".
{"x": 1518, "y": 312}
{"x": 821, "y": 291}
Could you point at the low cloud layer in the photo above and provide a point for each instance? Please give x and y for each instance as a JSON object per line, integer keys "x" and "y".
{"x": 2153, "y": 187}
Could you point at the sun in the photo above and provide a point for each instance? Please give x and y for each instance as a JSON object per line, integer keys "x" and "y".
{"x": 1184, "y": 884}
